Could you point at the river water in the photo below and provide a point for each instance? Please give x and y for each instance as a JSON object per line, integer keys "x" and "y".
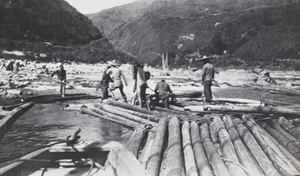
{"x": 45, "y": 123}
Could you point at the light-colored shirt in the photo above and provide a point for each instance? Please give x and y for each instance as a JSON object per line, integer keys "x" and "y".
{"x": 208, "y": 72}
{"x": 116, "y": 75}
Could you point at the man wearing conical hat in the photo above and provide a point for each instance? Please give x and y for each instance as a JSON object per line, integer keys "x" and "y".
{"x": 208, "y": 75}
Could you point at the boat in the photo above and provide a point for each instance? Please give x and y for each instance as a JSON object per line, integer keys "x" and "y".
{"x": 71, "y": 157}
{"x": 12, "y": 116}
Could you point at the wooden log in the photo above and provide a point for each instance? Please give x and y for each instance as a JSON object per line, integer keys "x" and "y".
{"x": 177, "y": 108}
{"x": 219, "y": 168}
{"x": 134, "y": 143}
{"x": 4, "y": 113}
{"x": 282, "y": 140}
{"x": 203, "y": 166}
{"x": 7, "y": 122}
{"x": 189, "y": 157}
{"x": 146, "y": 152}
{"x": 214, "y": 138}
{"x": 110, "y": 117}
{"x": 255, "y": 149}
{"x": 231, "y": 160}
{"x": 128, "y": 106}
{"x": 172, "y": 163}
{"x": 110, "y": 109}
{"x": 278, "y": 159}
{"x": 153, "y": 165}
{"x": 244, "y": 156}
{"x": 123, "y": 162}
{"x": 284, "y": 123}
{"x": 286, "y": 153}
{"x": 274, "y": 124}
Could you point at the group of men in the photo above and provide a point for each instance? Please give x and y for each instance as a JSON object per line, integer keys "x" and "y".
{"x": 114, "y": 75}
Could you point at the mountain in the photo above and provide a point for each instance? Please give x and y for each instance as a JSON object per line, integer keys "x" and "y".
{"x": 240, "y": 32}
{"x": 53, "y": 21}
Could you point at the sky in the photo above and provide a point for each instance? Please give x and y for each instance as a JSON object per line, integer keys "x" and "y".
{"x": 93, "y": 6}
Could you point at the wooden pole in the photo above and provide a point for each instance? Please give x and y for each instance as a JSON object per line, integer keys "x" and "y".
{"x": 172, "y": 163}
{"x": 189, "y": 157}
{"x": 214, "y": 158}
{"x": 129, "y": 106}
{"x": 203, "y": 166}
{"x": 153, "y": 165}
{"x": 214, "y": 138}
{"x": 275, "y": 155}
{"x": 255, "y": 149}
{"x": 244, "y": 156}
{"x": 134, "y": 143}
{"x": 231, "y": 160}
{"x": 146, "y": 153}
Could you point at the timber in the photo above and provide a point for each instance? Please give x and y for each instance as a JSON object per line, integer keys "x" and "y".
{"x": 203, "y": 166}
{"x": 146, "y": 153}
{"x": 231, "y": 160}
{"x": 189, "y": 157}
{"x": 128, "y": 106}
{"x": 172, "y": 163}
{"x": 214, "y": 158}
{"x": 153, "y": 165}
{"x": 255, "y": 149}
{"x": 282, "y": 140}
{"x": 214, "y": 138}
{"x": 7, "y": 122}
{"x": 272, "y": 151}
{"x": 246, "y": 159}
{"x": 134, "y": 143}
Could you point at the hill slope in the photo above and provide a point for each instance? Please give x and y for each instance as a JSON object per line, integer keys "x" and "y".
{"x": 252, "y": 31}
{"x": 54, "y": 21}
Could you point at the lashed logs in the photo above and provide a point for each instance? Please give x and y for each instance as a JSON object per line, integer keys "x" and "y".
{"x": 110, "y": 117}
{"x": 110, "y": 109}
{"x": 282, "y": 140}
{"x": 284, "y": 123}
{"x": 260, "y": 156}
{"x": 214, "y": 138}
{"x": 246, "y": 159}
{"x": 290, "y": 157}
{"x": 203, "y": 166}
{"x": 275, "y": 155}
{"x": 153, "y": 165}
{"x": 128, "y": 106}
{"x": 217, "y": 164}
{"x": 189, "y": 158}
{"x": 172, "y": 164}
{"x": 231, "y": 160}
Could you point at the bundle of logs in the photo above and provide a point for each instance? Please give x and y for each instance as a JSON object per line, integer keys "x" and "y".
{"x": 169, "y": 142}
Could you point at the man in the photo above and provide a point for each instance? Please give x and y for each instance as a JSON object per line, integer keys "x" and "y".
{"x": 208, "y": 75}
{"x": 140, "y": 84}
{"x": 62, "y": 76}
{"x": 117, "y": 76}
{"x": 163, "y": 91}
{"x": 104, "y": 84}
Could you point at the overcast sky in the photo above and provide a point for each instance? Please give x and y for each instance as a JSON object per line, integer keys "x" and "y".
{"x": 93, "y": 6}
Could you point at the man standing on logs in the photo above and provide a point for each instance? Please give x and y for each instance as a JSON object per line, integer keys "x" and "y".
{"x": 163, "y": 92}
{"x": 62, "y": 76}
{"x": 208, "y": 75}
{"x": 106, "y": 79}
{"x": 117, "y": 76}
{"x": 140, "y": 85}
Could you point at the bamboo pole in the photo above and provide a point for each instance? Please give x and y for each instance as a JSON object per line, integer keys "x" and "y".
{"x": 244, "y": 156}
{"x": 231, "y": 160}
{"x": 214, "y": 138}
{"x": 172, "y": 163}
{"x": 255, "y": 149}
{"x": 153, "y": 165}
{"x": 219, "y": 168}
{"x": 278, "y": 159}
{"x": 282, "y": 140}
{"x": 203, "y": 166}
{"x": 189, "y": 157}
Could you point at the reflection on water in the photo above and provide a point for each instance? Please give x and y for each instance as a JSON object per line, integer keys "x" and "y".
{"x": 46, "y": 123}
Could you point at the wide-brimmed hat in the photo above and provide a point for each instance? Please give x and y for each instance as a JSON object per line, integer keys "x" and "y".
{"x": 204, "y": 58}
{"x": 114, "y": 63}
